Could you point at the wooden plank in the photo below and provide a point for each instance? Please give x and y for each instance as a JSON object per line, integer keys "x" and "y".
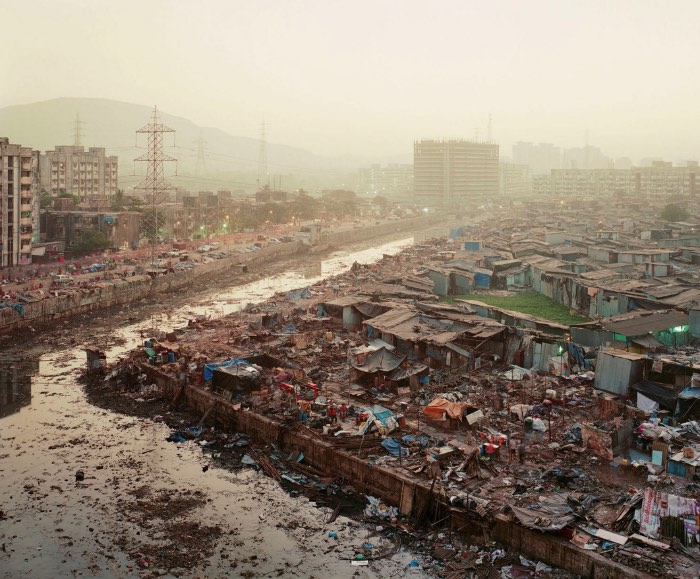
{"x": 612, "y": 537}
{"x": 650, "y": 542}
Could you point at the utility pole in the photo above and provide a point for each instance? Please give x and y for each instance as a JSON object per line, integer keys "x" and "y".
{"x": 263, "y": 178}
{"x": 77, "y": 132}
{"x": 154, "y": 186}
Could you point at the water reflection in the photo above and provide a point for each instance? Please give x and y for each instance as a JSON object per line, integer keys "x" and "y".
{"x": 16, "y": 384}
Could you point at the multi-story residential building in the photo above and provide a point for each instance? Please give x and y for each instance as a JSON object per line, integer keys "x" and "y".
{"x": 664, "y": 179}
{"x": 586, "y": 182}
{"x": 661, "y": 179}
{"x": 393, "y": 180}
{"x": 73, "y": 170}
{"x": 541, "y": 185}
{"x": 514, "y": 180}
{"x": 19, "y": 203}
{"x": 448, "y": 172}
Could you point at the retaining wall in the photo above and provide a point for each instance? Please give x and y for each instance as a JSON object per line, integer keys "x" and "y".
{"x": 121, "y": 291}
{"x": 410, "y": 495}
{"x": 117, "y": 292}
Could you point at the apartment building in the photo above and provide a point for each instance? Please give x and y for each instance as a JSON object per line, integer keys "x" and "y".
{"x": 448, "y": 172}
{"x": 73, "y": 170}
{"x": 19, "y": 203}
{"x": 394, "y": 180}
{"x": 514, "y": 179}
{"x": 661, "y": 179}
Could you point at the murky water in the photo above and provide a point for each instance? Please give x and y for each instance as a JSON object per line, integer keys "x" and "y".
{"x": 53, "y": 526}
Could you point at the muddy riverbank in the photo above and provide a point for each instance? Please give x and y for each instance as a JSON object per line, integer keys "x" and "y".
{"x": 146, "y": 506}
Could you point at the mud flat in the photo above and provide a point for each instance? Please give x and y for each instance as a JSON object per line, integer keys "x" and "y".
{"x": 145, "y": 506}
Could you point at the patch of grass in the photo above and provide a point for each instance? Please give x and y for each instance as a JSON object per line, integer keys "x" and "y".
{"x": 531, "y": 303}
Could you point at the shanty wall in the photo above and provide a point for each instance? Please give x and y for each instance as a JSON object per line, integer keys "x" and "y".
{"x": 607, "y": 303}
{"x": 694, "y": 321}
{"x": 616, "y": 374}
{"x": 412, "y": 497}
{"x": 678, "y": 242}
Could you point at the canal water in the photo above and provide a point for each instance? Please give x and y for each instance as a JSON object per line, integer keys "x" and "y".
{"x": 54, "y": 526}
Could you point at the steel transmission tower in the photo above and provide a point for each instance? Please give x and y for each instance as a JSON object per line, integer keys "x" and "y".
{"x": 155, "y": 188}
{"x": 201, "y": 166}
{"x": 263, "y": 177}
{"x": 77, "y": 131}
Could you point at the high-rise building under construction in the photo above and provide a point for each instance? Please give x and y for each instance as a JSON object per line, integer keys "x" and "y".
{"x": 446, "y": 173}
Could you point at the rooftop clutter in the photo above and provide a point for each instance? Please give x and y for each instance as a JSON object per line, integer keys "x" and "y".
{"x": 589, "y": 432}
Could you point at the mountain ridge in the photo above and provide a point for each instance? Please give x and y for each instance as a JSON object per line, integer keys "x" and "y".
{"x": 113, "y": 124}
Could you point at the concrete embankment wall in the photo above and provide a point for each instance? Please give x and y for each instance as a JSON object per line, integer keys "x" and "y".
{"x": 410, "y": 495}
{"x": 118, "y": 292}
{"x": 123, "y": 291}
{"x": 405, "y": 226}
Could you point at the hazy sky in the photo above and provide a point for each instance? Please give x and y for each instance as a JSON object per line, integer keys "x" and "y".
{"x": 367, "y": 77}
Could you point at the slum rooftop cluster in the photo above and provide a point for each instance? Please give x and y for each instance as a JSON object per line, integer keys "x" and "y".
{"x": 598, "y": 419}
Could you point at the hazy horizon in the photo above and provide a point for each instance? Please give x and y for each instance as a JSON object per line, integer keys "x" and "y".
{"x": 366, "y": 79}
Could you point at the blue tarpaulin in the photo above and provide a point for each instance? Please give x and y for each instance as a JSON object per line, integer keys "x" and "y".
{"x": 393, "y": 447}
{"x": 18, "y": 307}
{"x": 209, "y": 368}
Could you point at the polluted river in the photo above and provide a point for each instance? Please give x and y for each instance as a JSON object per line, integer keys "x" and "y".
{"x": 141, "y": 493}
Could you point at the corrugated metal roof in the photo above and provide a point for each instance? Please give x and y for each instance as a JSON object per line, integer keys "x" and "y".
{"x": 640, "y": 323}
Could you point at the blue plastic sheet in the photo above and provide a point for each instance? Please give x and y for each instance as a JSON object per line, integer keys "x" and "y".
{"x": 393, "y": 447}
{"x": 209, "y": 368}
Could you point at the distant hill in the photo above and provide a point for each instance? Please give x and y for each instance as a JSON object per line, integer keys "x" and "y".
{"x": 113, "y": 124}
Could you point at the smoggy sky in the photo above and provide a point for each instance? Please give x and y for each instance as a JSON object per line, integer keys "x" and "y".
{"x": 368, "y": 77}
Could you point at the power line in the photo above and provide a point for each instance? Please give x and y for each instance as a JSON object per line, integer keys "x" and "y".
{"x": 224, "y": 156}
{"x": 133, "y": 178}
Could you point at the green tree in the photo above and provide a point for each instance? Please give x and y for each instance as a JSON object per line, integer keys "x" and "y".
{"x": 134, "y": 203}
{"x": 92, "y": 240}
{"x": 45, "y": 201}
{"x": 340, "y": 202}
{"x": 673, "y": 212}
{"x": 118, "y": 201}
{"x": 305, "y": 206}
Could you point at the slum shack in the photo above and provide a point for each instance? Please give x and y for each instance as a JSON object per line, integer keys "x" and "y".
{"x": 235, "y": 380}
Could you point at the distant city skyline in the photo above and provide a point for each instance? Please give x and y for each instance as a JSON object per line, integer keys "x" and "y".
{"x": 368, "y": 78}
